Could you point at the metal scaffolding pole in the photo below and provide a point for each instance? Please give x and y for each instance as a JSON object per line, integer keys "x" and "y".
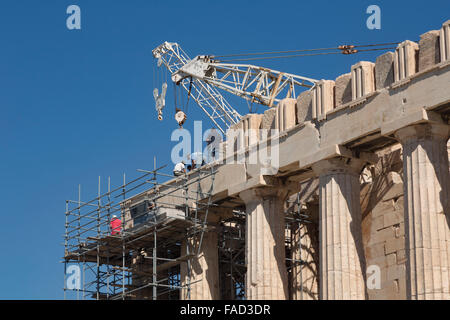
{"x": 89, "y": 239}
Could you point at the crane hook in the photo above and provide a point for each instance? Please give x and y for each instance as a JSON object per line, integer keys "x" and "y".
{"x": 180, "y": 117}
{"x": 160, "y": 99}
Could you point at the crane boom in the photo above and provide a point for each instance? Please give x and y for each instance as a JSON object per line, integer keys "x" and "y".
{"x": 209, "y": 99}
{"x": 253, "y": 83}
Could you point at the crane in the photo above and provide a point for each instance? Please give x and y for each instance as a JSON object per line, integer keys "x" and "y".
{"x": 203, "y": 75}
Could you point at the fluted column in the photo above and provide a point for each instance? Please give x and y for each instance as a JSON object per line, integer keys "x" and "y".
{"x": 426, "y": 183}
{"x": 265, "y": 255}
{"x": 341, "y": 251}
{"x": 203, "y": 273}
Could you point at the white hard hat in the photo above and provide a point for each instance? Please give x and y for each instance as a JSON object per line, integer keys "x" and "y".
{"x": 114, "y": 216}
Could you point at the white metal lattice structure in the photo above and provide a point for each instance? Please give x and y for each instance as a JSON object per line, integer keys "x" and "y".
{"x": 207, "y": 97}
{"x": 253, "y": 83}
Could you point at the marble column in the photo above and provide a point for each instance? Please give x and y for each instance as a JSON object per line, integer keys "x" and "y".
{"x": 266, "y": 277}
{"x": 427, "y": 218}
{"x": 204, "y": 269}
{"x": 341, "y": 250}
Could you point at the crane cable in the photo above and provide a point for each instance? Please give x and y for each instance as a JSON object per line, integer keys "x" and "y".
{"x": 189, "y": 95}
{"x": 343, "y": 49}
{"x": 305, "y": 55}
{"x": 304, "y": 50}
{"x": 181, "y": 114}
{"x": 175, "y": 98}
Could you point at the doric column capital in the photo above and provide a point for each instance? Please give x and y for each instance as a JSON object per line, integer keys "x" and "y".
{"x": 338, "y": 165}
{"x": 275, "y": 188}
{"x": 423, "y": 131}
{"x": 259, "y": 194}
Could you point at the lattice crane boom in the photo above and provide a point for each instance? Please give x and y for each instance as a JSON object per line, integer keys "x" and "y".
{"x": 253, "y": 83}
{"x": 209, "y": 99}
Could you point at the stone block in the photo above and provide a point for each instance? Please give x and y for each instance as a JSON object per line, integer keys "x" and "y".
{"x": 382, "y": 208}
{"x": 304, "y": 108}
{"x": 429, "y": 52}
{"x": 375, "y": 251}
{"x": 394, "y": 244}
{"x": 399, "y": 229}
{"x": 389, "y": 290}
{"x": 396, "y": 272}
{"x": 382, "y": 235}
{"x": 384, "y": 70}
{"x": 380, "y": 261}
{"x": 343, "y": 89}
{"x": 363, "y": 79}
{"x": 392, "y": 218}
{"x": 399, "y": 204}
{"x": 377, "y": 223}
{"x": 390, "y": 160}
{"x": 402, "y": 288}
{"x": 285, "y": 114}
{"x": 401, "y": 256}
{"x": 391, "y": 259}
{"x": 322, "y": 98}
{"x": 248, "y": 127}
{"x": 375, "y": 294}
{"x": 267, "y": 121}
{"x": 444, "y": 39}
{"x": 405, "y": 60}
{"x": 396, "y": 189}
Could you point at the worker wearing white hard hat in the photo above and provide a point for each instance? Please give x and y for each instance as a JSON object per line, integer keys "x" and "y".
{"x": 179, "y": 169}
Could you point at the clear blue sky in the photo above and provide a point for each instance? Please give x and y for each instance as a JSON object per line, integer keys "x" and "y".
{"x": 75, "y": 105}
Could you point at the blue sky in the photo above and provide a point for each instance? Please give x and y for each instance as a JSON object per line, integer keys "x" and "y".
{"x": 78, "y": 104}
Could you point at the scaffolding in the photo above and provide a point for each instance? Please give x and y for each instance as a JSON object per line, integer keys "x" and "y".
{"x": 233, "y": 266}
{"x": 232, "y": 257}
{"x": 141, "y": 258}
{"x": 297, "y": 221}
{"x": 161, "y": 230}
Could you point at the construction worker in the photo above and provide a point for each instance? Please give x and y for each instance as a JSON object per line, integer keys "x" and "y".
{"x": 212, "y": 145}
{"x": 197, "y": 159}
{"x": 116, "y": 225}
{"x": 179, "y": 169}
